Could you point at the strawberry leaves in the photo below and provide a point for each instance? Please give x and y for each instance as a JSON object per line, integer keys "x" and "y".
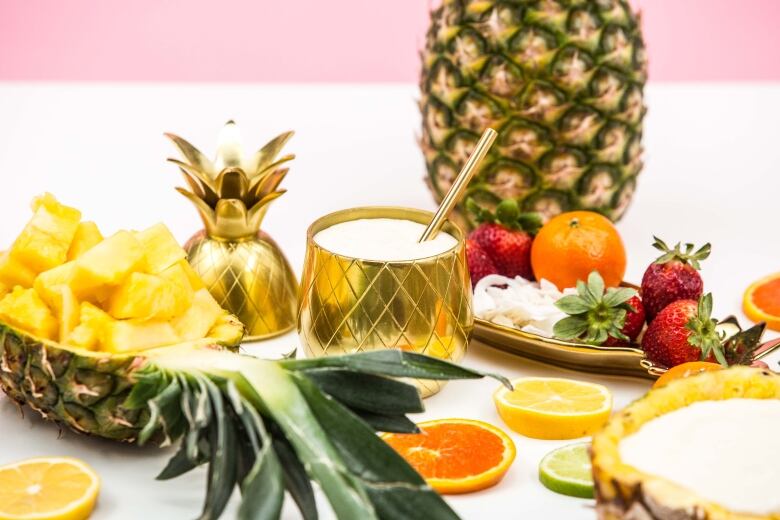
{"x": 508, "y": 214}
{"x": 688, "y": 256}
{"x": 594, "y": 314}
{"x": 704, "y": 334}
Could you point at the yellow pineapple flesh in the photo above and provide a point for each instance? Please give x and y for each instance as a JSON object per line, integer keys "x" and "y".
{"x": 48, "y": 282}
{"x": 87, "y": 236}
{"x": 148, "y": 296}
{"x": 127, "y": 335}
{"x": 199, "y": 318}
{"x": 45, "y": 240}
{"x": 13, "y": 272}
{"x": 23, "y": 308}
{"x": 66, "y": 310}
{"x": 92, "y": 322}
{"x": 162, "y": 249}
{"x": 108, "y": 263}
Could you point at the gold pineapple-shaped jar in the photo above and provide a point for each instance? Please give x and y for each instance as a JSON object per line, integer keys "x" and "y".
{"x": 241, "y": 265}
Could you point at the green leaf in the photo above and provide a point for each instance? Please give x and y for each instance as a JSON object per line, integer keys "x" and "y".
{"x": 387, "y": 423}
{"x": 616, "y": 296}
{"x": 507, "y": 212}
{"x": 395, "y": 489}
{"x": 572, "y": 304}
{"x": 584, "y": 293}
{"x": 222, "y": 467}
{"x": 393, "y": 363}
{"x": 367, "y": 391}
{"x": 296, "y": 480}
{"x": 570, "y": 327}
{"x": 596, "y": 285}
{"x": 149, "y": 383}
{"x": 181, "y": 463}
{"x": 158, "y": 407}
{"x": 705, "y": 306}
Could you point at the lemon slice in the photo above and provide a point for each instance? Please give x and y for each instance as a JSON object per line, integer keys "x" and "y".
{"x": 52, "y": 488}
{"x": 553, "y": 408}
{"x": 567, "y": 471}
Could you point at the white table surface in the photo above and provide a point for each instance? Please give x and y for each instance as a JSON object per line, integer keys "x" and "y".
{"x": 712, "y": 174}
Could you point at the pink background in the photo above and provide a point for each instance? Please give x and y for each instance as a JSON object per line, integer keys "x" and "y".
{"x": 331, "y": 41}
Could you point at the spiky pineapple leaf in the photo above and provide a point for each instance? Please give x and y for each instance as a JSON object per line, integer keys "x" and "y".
{"x": 296, "y": 480}
{"x": 387, "y": 423}
{"x": 393, "y": 363}
{"x": 367, "y": 391}
{"x": 395, "y": 489}
{"x": 165, "y": 402}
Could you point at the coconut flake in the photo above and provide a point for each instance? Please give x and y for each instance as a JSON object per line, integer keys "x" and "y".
{"x": 520, "y": 303}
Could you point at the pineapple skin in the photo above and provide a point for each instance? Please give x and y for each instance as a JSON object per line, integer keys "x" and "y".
{"x": 250, "y": 278}
{"x": 82, "y": 390}
{"x": 560, "y": 80}
{"x": 624, "y": 493}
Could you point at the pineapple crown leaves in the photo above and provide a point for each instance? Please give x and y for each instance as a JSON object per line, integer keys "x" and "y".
{"x": 704, "y": 334}
{"x": 232, "y": 192}
{"x": 688, "y": 256}
{"x": 322, "y": 429}
{"x": 507, "y": 214}
{"x": 595, "y": 314}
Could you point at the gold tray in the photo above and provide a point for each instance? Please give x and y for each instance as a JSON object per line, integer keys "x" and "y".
{"x": 623, "y": 361}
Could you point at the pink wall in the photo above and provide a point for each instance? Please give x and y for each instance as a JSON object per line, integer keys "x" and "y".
{"x": 338, "y": 40}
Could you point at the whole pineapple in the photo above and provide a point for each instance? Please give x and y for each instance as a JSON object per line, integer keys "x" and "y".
{"x": 241, "y": 265}
{"x": 561, "y": 80}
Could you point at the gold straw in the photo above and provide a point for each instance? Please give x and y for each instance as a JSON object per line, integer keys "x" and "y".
{"x": 460, "y": 184}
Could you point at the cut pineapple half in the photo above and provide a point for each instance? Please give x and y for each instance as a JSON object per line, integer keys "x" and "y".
{"x": 129, "y": 292}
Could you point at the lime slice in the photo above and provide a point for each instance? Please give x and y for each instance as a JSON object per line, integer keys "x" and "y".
{"x": 567, "y": 471}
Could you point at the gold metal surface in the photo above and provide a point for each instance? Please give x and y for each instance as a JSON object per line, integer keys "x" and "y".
{"x": 250, "y": 278}
{"x": 353, "y": 305}
{"x": 623, "y": 361}
{"x": 458, "y": 187}
{"x": 242, "y": 267}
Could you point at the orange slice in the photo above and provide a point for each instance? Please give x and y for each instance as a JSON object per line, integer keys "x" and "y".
{"x": 685, "y": 370}
{"x": 761, "y": 301}
{"x": 456, "y": 455}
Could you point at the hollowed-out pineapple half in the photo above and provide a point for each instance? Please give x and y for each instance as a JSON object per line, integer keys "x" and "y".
{"x": 117, "y": 337}
{"x": 80, "y": 313}
{"x": 625, "y": 492}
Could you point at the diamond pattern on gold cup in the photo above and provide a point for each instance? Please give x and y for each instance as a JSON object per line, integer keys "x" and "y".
{"x": 352, "y": 305}
{"x": 251, "y": 278}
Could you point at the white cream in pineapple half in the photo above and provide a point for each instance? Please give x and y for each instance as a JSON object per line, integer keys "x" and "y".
{"x": 724, "y": 451}
{"x": 382, "y": 239}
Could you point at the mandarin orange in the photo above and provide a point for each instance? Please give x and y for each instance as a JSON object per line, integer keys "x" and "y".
{"x": 456, "y": 455}
{"x": 686, "y": 370}
{"x": 572, "y": 245}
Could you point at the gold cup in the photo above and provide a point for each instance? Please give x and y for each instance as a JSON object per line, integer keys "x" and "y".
{"x": 353, "y": 305}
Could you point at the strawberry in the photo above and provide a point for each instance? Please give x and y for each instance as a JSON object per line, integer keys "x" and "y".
{"x": 480, "y": 264}
{"x": 673, "y": 276}
{"x": 600, "y": 316}
{"x": 635, "y": 321}
{"x": 506, "y": 237}
{"x": 682, "y": 332}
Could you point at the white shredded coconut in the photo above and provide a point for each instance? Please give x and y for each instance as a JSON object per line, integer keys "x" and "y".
{"x": 520, "y": 303}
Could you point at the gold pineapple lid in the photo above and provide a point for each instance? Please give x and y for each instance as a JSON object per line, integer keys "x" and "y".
{"x": 232, "y": 193}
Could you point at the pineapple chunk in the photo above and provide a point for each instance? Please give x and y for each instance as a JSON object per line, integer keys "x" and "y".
{"x": 127, "y": 335}
{"x": 199, "y": 318}
{"x": 87, "y": 236}
{"x": 162, "y": 249}
{"x": 148, "y": 296}
{"x": 47, "y": 283}
{"x": 45, "y": 240}
{"x": 107, "y": 264}
{"x": 66, "y": 309}
{"x": 24, "y": 309}
{"x": 13, "y": 272}
{"x": 195, "y": 280}
{"x": 88, "y": 333}
{"x": 3, "y": 290}
{"x": 183, "y": 290}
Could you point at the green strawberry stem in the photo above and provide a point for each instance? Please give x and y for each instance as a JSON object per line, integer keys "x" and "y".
{"x": 508, "y": 214}
{"x": 594, "y": 314}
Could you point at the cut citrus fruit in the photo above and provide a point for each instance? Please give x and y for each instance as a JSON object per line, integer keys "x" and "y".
{"x": 52, "y": 488}
{"x": 761, "y": 301}
{"x": 685, "y": 370}
{"x": 553, "y": 408}
{"x": 567, "y": 471}
{"x": 456, "y": 455}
